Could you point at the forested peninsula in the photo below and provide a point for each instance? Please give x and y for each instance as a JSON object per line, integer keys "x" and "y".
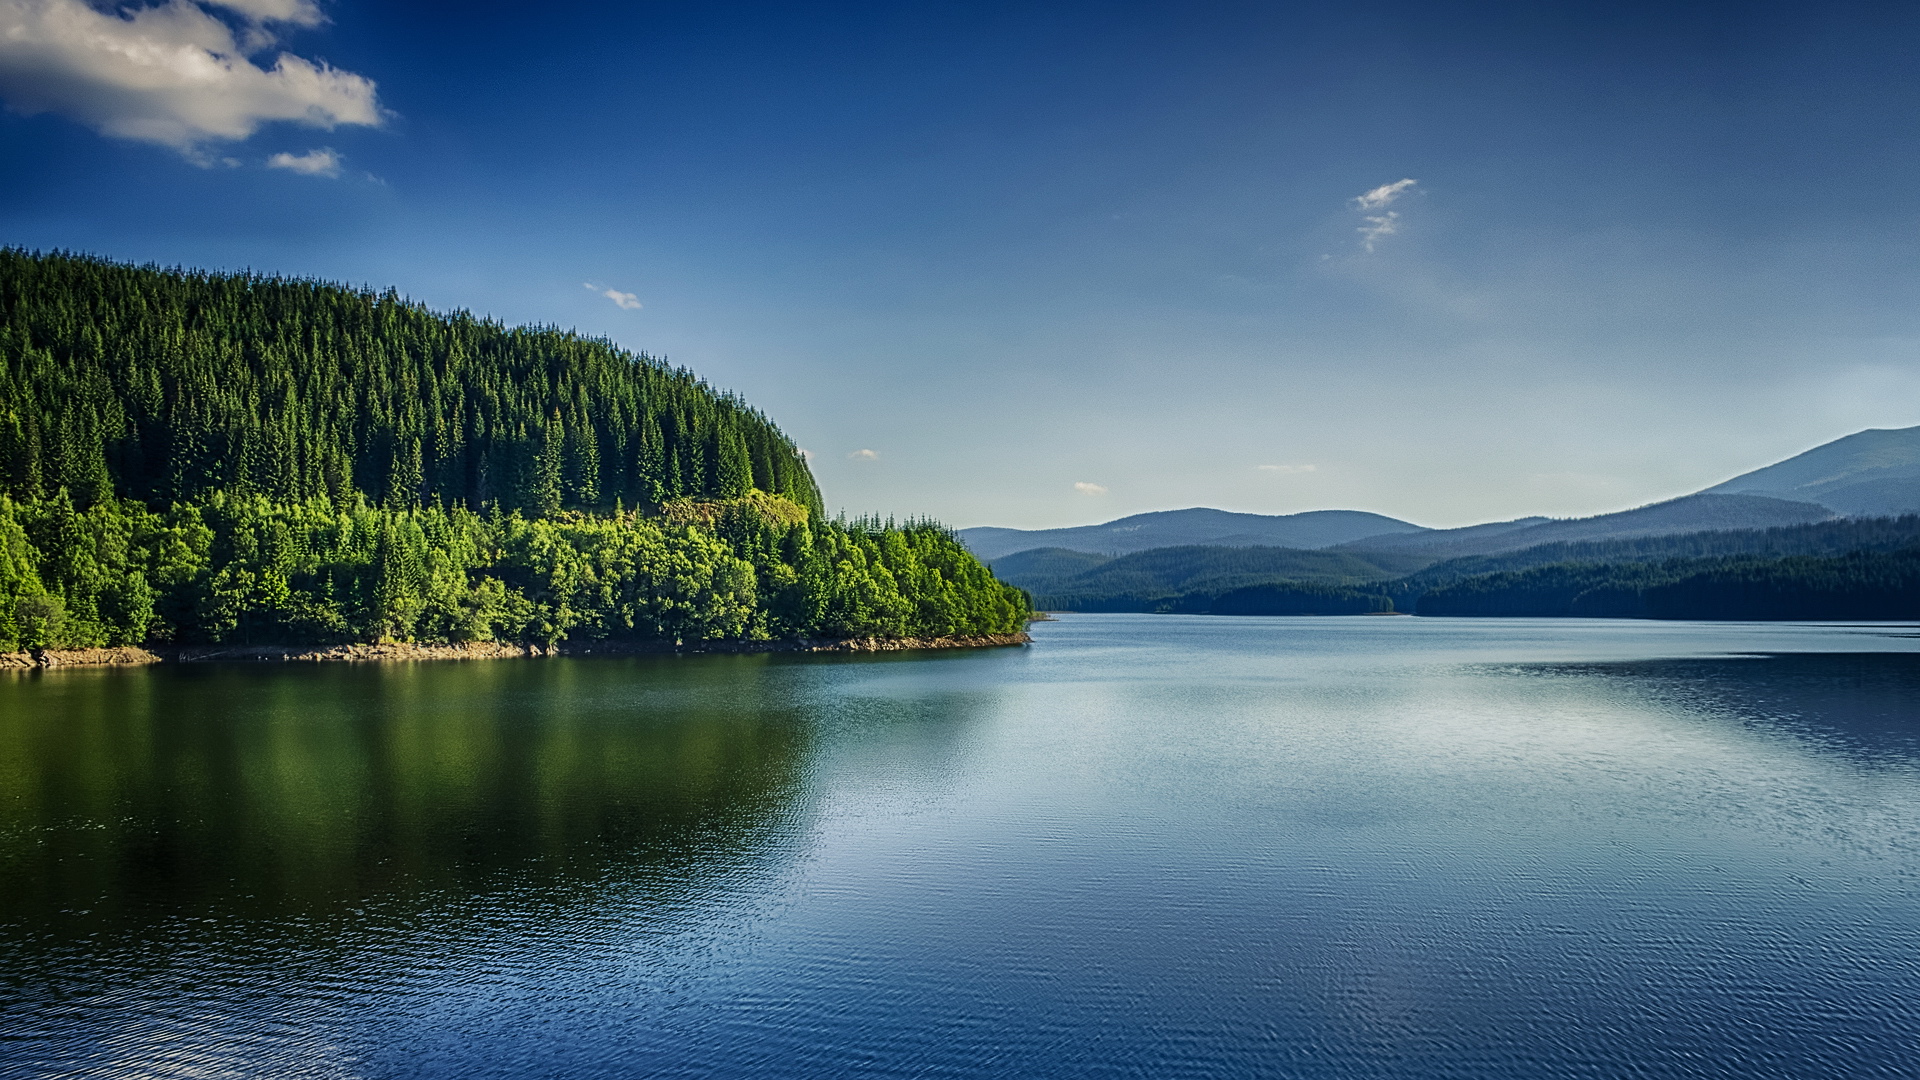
{"x": 199, "y": 460}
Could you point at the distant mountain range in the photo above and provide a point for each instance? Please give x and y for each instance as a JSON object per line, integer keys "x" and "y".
{"x": 1872, "y": 473}
{"x": 1689, "y": 513}
{"x": 1175, "y": 528}
{"x": 1332, "y": 581}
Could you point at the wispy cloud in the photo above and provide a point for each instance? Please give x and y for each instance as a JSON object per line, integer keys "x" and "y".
{"x": 864, "y": 455}
{"x": 322, "y": 162}
{"x": 1288, "y": 470}
{"x": 1382, "y": 195}
{"x": 1085, "y": 488}
{"x": 1382, "y": 225}
{"x": 1379, "y": 227}
{"x": 805, "y": 453}
{"x": 623, "y": 300}
{"x": 173, "y": 73}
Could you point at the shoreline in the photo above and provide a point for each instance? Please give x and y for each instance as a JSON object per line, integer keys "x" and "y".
{"x": 391, "y": 652}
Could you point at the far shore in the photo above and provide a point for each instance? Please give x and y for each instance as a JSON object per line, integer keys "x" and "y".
{"x": 133, "y": 656}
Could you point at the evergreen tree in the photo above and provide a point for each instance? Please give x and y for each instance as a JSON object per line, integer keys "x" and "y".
{"x": 544, "y": 497}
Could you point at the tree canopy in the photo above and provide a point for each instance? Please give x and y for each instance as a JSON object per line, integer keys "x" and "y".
{"x": 166, "y": 386}
{"x": 190, "y": 457}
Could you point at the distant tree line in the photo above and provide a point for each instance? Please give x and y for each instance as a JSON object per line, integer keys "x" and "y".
{"x": 1300, "y": 598}
{"x": 1190, "y": 579}
{"x": 1825, "y": 538}
{"x": 1859, "y": 585}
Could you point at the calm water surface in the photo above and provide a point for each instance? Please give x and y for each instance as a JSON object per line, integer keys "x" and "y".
{"x": 1144, "y": 846}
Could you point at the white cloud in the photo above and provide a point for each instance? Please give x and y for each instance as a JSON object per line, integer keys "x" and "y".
{"x": 1288, "y": 470}
{"x": 864, "y": 455}
{"x": 1382, "y": 225}
{"x": 322, "y": 162}
{"x": 297, "y": 12}
{"x": 1382, "y": 195}
{"x": 1378, "y": 227}
{"x": 624, "y": 300}
{"x": 805, "y": 454}
{"x": 171, "y": 73}
{"x": 1085, "y": 488}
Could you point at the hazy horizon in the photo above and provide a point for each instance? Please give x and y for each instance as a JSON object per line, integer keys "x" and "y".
{"x": 1043, "y": 266}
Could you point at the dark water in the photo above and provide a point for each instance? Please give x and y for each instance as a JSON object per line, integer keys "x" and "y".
{"x": 1146, "y": 846}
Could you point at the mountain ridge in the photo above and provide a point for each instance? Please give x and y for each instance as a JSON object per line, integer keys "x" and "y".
{"x": 1870, "y": 473}
{"x": 1688, "y": 513}
{"x": 1310, "y": 530}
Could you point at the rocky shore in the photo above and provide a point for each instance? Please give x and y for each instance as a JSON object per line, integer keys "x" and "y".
{"x": 126, "y": 656}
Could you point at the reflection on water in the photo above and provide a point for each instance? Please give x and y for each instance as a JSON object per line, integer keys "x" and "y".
{"x": 1153, "y": 846}
{"x": 1866, "y": 705}
{"x": 286, "y": 793}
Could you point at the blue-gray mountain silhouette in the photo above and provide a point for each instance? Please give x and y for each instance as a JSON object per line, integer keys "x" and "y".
{"x": 1873, "y": 473}
{"x": 1175, "y": 528}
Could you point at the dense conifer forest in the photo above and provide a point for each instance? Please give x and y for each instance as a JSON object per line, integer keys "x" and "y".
{"x": 196, "y": 457}
{"x": 1856, "y": 568}
{"x": 1860, "y": 585}
{"x": 1181, "y": 579}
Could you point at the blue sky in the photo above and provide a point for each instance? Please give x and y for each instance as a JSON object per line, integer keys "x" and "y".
{"x": 1041, "y": 265}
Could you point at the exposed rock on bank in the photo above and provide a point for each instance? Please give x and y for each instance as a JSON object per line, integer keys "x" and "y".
{"x": 478, "y": 650}
{"x": 46, "y": 658}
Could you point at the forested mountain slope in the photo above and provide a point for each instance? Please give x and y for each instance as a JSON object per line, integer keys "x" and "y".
{"x": 1270, "y": 581}
{"x": 1860, "y": 585}
{"x": 168, "y": 386}
{"x": 1839, "y": 536}
{"x": 1152, "y": 580}
{"x": 190, "y": 457}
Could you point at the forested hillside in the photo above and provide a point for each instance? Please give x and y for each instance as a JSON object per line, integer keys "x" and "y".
{"x": 1826, "y": 538}
{"x": 169, "y": 386}
{"x": 195, "y": 457}
{"x": 1861, "y": 585}
{"x": 1687, "y": 575}
{"x": 1185, "y": 579}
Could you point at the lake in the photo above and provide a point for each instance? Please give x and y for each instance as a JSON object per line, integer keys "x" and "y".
{"x": 1145, "y": 846}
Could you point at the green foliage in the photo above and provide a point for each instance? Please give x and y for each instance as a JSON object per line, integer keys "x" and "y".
{"x": 190, "y": 457}
{"x": 248, "y": 570}
{"x": 168, "y": 386}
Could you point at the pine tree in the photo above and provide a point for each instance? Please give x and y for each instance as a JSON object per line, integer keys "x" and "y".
{"x": 733, "y": 470}
{"x": 545, "y": 497}
{"x": 405, "y": 477}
